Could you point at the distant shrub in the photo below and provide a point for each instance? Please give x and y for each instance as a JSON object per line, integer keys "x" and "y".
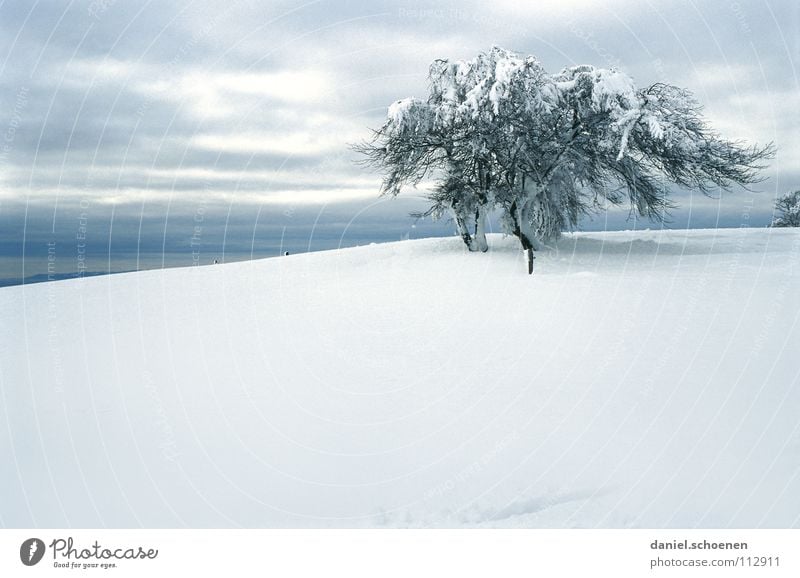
{"x": 788, "y": 207}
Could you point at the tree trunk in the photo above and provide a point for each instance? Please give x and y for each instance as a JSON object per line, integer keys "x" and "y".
{"x": 463, "y": 231}
{"x": 480, "y": 230}
{"x": 522, "y": 231}
{"x": 527, "y": 246}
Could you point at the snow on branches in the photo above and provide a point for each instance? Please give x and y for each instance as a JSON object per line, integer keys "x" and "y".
{"x": 788, "y": 205}
{"x": 498, "y": 132}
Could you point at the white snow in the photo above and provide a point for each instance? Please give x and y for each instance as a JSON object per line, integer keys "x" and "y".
{"x": 399, "y": 109}
{"x": 612, "y": 86}
{"x": 645, "y": 379}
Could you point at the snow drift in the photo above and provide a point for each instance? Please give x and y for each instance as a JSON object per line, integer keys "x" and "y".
{"x": 638, "y": 379}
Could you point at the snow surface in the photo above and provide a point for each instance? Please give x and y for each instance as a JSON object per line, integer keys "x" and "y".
{"x": 645, "y": 379}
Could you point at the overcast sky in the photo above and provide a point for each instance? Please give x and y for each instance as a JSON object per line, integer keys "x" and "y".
{"x": 126, "y": 108}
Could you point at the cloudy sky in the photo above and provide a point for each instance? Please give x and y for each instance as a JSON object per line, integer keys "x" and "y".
{"x": 140, "y": 121}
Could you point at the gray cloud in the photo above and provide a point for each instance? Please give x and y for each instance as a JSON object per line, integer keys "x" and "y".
{"x": 256, "y": 102}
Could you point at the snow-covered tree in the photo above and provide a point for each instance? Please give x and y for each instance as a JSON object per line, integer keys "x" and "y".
{"x": 788, "y": 205}
{"x": 499, "y": 133}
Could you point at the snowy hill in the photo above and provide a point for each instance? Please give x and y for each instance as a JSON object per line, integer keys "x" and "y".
{"x": 636, "y": 379}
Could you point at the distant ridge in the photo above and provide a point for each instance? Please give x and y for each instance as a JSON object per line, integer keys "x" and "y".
{"x": 44, "y": 277}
